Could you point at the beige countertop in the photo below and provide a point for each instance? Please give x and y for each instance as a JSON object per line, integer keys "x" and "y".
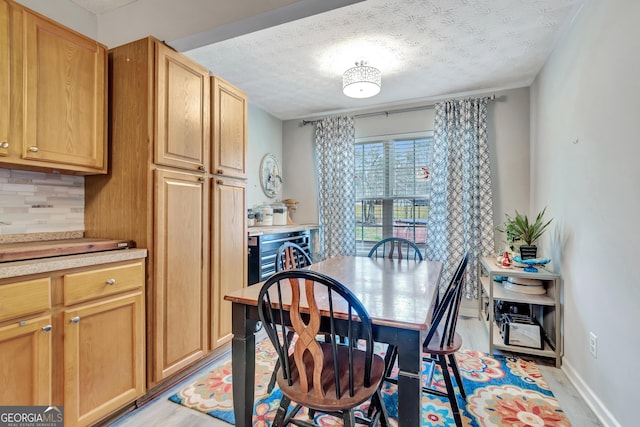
{"x": 260, "y": 230}
{"x": 44, "y": 265}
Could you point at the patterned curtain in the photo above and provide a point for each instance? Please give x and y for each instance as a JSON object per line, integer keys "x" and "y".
{"x": 461, "y": 209}
{"x": 335, "y": 163}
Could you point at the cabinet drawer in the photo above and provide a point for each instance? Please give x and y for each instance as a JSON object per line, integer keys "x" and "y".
{"x": 22, "y": 298}
{"x": 98, "y": 283}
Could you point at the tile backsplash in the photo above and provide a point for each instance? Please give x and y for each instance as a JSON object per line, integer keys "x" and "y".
{"x": 34, "y": 202}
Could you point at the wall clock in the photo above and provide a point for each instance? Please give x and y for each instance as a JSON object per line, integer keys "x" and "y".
{"x": 270, "y": 175}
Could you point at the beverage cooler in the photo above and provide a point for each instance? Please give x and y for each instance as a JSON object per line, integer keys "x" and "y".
{"x": 263, "y": 249}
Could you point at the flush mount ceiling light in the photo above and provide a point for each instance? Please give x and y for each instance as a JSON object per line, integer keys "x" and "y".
{"x": 361, "y": 81}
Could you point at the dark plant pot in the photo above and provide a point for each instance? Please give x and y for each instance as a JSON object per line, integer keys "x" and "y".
{"x": 528, "y": 252}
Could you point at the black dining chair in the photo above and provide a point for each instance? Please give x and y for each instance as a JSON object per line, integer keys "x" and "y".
{"x": 442, "y": 342}
{"x": 289, "y": 256}
{"x": 396, "y": 247}
{"x": 323, "y": 375}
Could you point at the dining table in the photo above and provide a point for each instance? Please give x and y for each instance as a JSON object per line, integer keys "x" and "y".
{"x": 399, "y": 296}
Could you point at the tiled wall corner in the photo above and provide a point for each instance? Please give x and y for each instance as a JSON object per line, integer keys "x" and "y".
{"x": 33, "y": 202}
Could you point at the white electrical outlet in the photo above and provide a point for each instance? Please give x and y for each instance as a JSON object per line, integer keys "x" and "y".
{"x": 593, "y": 344}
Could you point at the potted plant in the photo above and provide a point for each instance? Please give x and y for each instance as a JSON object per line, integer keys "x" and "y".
{"x": 519, "y": 227}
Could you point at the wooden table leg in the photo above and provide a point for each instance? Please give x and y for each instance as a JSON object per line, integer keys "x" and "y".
{"x": 243, "y": 363}
{"x": 409, "y": 379}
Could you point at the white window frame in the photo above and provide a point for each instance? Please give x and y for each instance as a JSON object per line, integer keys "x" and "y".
{"x": 388, "y": 200}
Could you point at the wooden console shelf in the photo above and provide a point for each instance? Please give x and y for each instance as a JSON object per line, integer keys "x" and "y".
{"x": 548, "y": 305}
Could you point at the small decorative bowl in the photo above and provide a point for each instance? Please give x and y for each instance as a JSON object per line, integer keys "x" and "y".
{"x": 530, "y": 263}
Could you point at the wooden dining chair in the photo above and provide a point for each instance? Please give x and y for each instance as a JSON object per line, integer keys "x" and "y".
{"x": 324, "y": 376}
{"x": 291, "y": 255}
{"x": 442, "y": 342}
{"x": 396, "y": 247}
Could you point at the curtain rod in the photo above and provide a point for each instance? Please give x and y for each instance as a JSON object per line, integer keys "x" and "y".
{"x": 386, "y": 113}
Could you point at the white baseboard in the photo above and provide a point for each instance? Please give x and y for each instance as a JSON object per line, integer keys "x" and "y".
{"x": 469, "y": 311}
{"x": 600, "y": 411}
{"x": 591, "y": 399}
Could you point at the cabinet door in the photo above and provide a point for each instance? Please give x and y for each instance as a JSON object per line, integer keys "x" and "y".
{"x": 229, "y": 147}
{"x": 103, "y": 357}
{"x": 228, "y": 252}
{"x": 4, "y": 77}
{"x": 180, "y": 304}
{"x": 25, "y": 371}
{"x": 65, "y": 96}
{"x": 182, "y": 111}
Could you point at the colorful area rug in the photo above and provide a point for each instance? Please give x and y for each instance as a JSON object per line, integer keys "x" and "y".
{"x": 501, "y": 391}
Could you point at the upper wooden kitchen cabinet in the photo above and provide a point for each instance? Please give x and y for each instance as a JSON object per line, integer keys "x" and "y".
{"x": 56, "y": 89}
{"x": 182, "y": 111}
{"x": 156, "y": 193}
{"x": 229, "y": 129}
{"x": 228, "y": 203}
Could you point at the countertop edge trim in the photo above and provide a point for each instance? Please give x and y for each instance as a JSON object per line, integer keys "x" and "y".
{"x": 45, "y": 265}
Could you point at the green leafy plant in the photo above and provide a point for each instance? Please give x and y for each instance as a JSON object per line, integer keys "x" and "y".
{"x": 519, "y": 227}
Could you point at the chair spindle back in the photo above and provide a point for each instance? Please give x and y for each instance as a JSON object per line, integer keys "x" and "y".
{"x": 445, "y": 317}
{"x": 393, "y": 247}
{"x": 312, "y": 304}
{"x": 290, "y": 256}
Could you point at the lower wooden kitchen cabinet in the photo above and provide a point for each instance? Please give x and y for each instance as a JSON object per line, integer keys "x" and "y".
{"x": 104, "y": 358}
{"x": 25, "y": 342}
{"x": 74, "y": 338}
{"x": 178, "y": 306}
{"x": 25, "y": 371}
{"x": 228, "y": 251}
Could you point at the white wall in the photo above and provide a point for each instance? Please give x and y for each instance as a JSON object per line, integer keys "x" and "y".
{"x": 508, "y": 128}
{"x": 585, "y": 107}
{"x": 264, "y": 136}
{"x": 299, "y": 171}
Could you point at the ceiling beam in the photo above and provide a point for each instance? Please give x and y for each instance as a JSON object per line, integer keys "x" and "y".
{"x": 298, "y": 10}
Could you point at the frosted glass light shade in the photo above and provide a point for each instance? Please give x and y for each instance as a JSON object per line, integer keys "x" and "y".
{"x": 361, "y": 81}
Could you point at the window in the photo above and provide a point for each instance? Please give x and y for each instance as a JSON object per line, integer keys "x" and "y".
{"x": 392, "y": 190}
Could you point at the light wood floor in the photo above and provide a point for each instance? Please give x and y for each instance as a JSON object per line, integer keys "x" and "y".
{"x": 161, "y": 412}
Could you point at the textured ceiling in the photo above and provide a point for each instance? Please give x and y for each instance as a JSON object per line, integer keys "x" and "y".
{"x": 101, "y": 6}
{"x": 425, "y": 49}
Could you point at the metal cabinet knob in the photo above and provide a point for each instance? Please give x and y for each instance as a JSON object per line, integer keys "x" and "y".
{"x": 201, "y": 168}
{"x": 47, "y": 328}
{"x": 4, "y": 144}
{"x": 75, "y": 319}
{"x": 33, "y": 149}
{"x": 201, "y": 179}
{"x": 219, "y": 181}
{"x": 220, "y": 172}
{"x": 111, "y": 282}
